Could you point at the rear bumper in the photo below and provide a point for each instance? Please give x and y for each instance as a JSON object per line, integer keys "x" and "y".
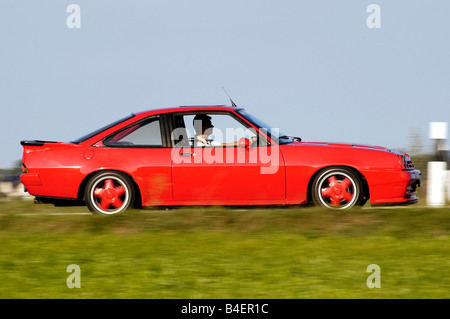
{"x": 30, "y": 180}
{"x": 402, "y": 190}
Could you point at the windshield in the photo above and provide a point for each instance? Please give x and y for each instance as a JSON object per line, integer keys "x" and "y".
{"x": 274, "y": 133}
{"x": 92, "y": 134}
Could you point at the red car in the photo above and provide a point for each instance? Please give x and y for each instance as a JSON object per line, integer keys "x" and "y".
{"x": 211, "y": 155}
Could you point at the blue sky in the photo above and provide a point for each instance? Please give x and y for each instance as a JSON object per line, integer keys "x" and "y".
{"x": 311, "y": 68}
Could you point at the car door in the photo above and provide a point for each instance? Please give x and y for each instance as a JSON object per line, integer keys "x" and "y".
{"x": 224, "y": 172}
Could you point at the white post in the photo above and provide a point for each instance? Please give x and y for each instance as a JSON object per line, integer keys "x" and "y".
{"x": 448, "y": 185}
{"x": 437, "y": 170}
{"x": 437, "y": 173}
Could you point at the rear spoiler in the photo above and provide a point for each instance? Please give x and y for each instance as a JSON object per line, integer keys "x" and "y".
{"x": 35, "y": 143}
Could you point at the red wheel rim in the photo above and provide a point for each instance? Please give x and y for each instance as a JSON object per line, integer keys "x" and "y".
{"x": 110, "y": 195}
{"x": 337, "y": 190}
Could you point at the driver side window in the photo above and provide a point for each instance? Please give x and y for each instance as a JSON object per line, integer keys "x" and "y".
{"x": 209, "y": 129}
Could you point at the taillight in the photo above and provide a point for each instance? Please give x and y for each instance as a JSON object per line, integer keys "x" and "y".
{"x": 24, "y": 168}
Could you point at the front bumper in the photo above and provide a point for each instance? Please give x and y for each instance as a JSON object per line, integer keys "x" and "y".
{"x": 402, "y": 190}
{"x": 414, "y": 182}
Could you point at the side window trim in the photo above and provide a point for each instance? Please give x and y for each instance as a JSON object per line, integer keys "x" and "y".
{"x": 166, "y": 126}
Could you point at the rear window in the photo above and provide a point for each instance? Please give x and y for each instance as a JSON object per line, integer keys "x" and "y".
{"x": 143, "y": 134}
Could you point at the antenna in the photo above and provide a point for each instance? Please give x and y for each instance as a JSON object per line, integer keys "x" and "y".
{"x": 232, "y": 103}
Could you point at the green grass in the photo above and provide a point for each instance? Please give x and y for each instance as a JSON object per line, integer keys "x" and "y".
{"x": 224, "y": 253}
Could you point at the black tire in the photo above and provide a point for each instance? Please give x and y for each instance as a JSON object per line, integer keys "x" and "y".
{"x": 109, "y": 193}
{"x": 337, "y": 188}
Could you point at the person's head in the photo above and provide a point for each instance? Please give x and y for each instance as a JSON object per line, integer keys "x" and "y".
{"x": 203, "y": 124}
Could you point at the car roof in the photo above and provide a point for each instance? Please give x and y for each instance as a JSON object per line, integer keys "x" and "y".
{"x": 141, "y": 115}
{"x": 188, "y": 108}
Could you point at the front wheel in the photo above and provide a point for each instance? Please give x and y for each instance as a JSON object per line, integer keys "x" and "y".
{"x": 337, "y": 188}
{"x": 109, "y": 193}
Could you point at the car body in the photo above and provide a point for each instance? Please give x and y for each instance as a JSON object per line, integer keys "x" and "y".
{"x": 151, "y": 159}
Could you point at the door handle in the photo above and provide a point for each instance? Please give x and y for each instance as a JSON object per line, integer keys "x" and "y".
{"x": 187, "y": 154}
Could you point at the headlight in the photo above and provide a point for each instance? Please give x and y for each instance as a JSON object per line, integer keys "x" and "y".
{"x": 405, "y": 162}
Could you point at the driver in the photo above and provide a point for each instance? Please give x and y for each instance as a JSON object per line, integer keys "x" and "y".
{"x": 203, "y": 129}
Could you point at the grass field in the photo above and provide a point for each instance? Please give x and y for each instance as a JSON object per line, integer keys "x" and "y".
{"x": 224, "y": 253}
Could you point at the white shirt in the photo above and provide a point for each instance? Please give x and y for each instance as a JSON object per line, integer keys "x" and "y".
{"x": 202, "y": 142}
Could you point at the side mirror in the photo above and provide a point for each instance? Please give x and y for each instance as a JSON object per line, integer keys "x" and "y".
{"x": 244, "y": 142}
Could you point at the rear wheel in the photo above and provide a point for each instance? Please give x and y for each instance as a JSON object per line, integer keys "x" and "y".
{"x": 109, "y": 193}
{"x": 337, "y": 188}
